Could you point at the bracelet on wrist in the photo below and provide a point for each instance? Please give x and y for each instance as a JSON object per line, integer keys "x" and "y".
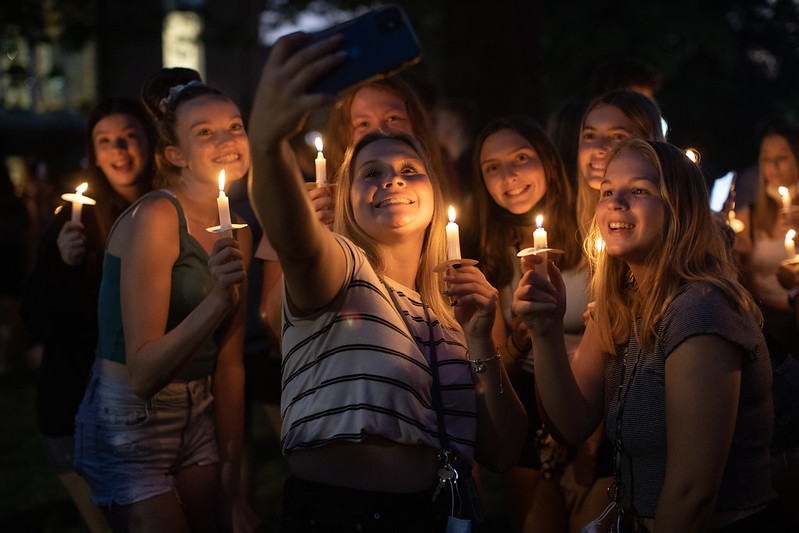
{"x": 479, "y": 365}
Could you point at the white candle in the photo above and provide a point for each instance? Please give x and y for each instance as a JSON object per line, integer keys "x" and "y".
{"x": 453, "y": 237}
{"x": 790, "y": 245}
{"x": 321, "y": 164}
{"x": 77, "y": 203}
{"x": 223, "y": 204}
{"x": 539, "y": 242}
{"x": 786, "y": 197}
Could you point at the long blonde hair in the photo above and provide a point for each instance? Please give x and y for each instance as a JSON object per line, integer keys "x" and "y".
{"x": 428, "y": 284}
{"x": 693, "y": 249}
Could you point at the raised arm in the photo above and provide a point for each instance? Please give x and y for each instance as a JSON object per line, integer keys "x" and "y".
{"x": 571, "y": 394}
{"x": 312, "y": 261}
{"x": 501, "y": 420}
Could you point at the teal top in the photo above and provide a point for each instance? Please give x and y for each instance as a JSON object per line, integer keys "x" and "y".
{"x": 190, "y": 281}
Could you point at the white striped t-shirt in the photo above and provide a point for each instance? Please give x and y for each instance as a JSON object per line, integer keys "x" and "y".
{"x": 352, "y": 369}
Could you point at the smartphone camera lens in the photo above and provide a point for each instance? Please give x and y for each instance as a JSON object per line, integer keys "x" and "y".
{"x": 388, "y": 21}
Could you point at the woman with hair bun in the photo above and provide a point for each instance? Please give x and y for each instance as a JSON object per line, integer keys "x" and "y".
{"x": 158, "y": 435}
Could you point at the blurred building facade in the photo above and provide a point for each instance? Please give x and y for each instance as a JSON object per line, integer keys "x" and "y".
{"x": 58, "y": 58}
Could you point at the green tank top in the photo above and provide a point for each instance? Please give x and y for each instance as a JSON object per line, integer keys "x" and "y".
{"x": 190, "y": 281}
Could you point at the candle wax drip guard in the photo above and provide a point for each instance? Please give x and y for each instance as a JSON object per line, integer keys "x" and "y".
{"x": 536, "y": 251}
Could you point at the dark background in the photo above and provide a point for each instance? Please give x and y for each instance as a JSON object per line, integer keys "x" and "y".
{"x": 726, "y": 64}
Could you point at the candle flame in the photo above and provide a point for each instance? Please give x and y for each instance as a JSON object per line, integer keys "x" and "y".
{"x": 693, "y": 154}
{"x": 783, "y": 191}
{"x": 222, "y": 180}
{"x": 599, "y": 244}
{"x": 451, "y": 214}
{"x": 82, "y": 188}
{"x": 318, "y": 143}
{"x": 790, "y": 235}
{"x": 539, "y": 221}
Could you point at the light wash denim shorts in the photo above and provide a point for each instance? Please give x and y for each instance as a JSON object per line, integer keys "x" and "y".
{"x": 129, "y": 450}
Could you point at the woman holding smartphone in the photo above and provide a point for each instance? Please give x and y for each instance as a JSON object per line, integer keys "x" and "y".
{"x": 379, "y": 371}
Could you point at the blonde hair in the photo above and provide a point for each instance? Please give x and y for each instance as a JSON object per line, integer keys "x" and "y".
{"x": 693, "y": 249}
{"x": 428, "y": 284}
{"x": 646, "y": 117}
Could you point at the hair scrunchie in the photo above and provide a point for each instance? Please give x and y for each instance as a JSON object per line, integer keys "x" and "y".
{"x": 173, "y": 94}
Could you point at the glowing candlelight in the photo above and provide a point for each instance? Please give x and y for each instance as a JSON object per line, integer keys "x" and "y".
{"x": 321, "y": 164}
{"x": 693, "y": 154}
{"x": 599, "y": 245}
{"x": 786, "y": 197}
{"x": 78, "y": 200}
{"x": 540, "y": 242}
{"x": 790, "y": 245}
{"x": 453, "y": 237}
{"x": 77, "y": 203}
{"x": 223, "y": 204}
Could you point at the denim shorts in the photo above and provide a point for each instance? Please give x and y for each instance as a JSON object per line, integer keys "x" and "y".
{"x": 129, "y": 450}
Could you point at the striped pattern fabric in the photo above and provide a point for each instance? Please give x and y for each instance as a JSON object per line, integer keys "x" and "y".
{"x": 354, "y": 369}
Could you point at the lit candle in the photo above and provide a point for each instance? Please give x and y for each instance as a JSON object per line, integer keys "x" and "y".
{"x": 321, "y": 164}
{"x": 790, "y": 245}
{"x": 539, "y": 242}
{"x": 453, "y": 237}
{"x": 599, "y": 245}
{"x": 223, "y": 204}
{"x": 77, "y": 203}
{"x": 786, "y": 197}
{"x": 78, "y": 200}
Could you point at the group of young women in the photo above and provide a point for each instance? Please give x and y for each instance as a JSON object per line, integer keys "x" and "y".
{"x": 402, "y": 368}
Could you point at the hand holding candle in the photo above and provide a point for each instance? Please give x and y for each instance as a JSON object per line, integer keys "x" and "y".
{"x": 540, "y": 242}
{"x": 453, "y": 237}
{"x": 78, "y": 200}
{"x": 321, "y": 164}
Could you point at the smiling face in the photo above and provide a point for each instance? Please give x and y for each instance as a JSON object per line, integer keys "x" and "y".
{"x": 778, "y": 162}
{"x": 120, "y": 147}
{"x": 391, "y": 193}
{"x": 631, "y": 211}
{"x": 604, "y": 127}
{"x": 512, "y": 171}
{"x": 374, "y": 109}
{"x": 211, "y": 138}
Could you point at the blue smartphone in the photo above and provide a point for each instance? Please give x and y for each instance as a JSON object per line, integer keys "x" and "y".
{"x": 378, "y": 44}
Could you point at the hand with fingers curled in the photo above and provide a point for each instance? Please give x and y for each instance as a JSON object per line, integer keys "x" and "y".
{"x": 72, "y": 243}
{"x": 539, "y": 302}
{"x": 282, "y": 101}
{"x": 324, "y": 203}
{"x": 474, "y": 299}
{"x": 227, "y": 271}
